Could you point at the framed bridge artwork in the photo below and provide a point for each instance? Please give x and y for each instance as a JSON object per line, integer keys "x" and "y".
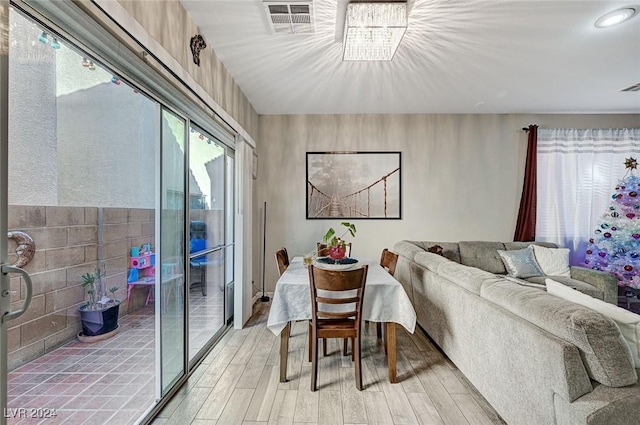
{"x": 352, "y": 185}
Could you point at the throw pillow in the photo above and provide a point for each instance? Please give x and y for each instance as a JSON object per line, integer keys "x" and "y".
{"x": 552, "y": 261}
{"x": 628, "y": 322}
{"x": 520, "y": 263}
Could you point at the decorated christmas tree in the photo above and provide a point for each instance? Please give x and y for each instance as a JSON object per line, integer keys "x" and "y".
{"x": 615, "y": 246}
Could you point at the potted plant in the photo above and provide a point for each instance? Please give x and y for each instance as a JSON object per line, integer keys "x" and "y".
{"x": 99, "y": 315}
{"x": 337, "y": 247}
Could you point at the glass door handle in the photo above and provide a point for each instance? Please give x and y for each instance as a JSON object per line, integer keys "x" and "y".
{"x": 6, "y": 269}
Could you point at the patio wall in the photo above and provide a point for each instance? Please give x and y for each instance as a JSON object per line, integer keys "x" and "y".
{"x": 66, "y": 241}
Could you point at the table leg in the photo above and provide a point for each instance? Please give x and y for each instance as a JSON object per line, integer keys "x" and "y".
{"x": 129, "y": 288}
{"x": 390, "y": 335}
{"x": 284, "y": 352}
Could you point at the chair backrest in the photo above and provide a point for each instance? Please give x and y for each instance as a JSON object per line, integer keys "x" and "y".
{"x": 323, "y": 249}
{"x": 282, "y": 259}
{"x": 197, "y": 230}
{"x": 197, "y": 236}
{"x": 334, "y": 285}
{"x": 388, "y": 261}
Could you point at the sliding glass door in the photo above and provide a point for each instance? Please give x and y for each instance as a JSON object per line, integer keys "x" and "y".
{"x": 105, "y": 178}
{"x": 81, "y": 184}
{"x": 207, "y": 238}
{"x": 170, "y": 281}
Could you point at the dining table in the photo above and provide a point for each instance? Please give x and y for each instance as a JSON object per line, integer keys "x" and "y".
{"x": 385, "y": 301}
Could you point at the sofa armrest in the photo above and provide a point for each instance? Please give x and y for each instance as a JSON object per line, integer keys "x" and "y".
{"x": 604, "y": 281}
{"x": 407, "y": 249}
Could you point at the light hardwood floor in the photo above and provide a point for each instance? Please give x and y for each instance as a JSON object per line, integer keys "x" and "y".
{"x": 238, "y": 383}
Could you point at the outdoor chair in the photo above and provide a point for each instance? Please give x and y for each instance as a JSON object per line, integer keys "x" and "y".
{"x": 198, "y": 243}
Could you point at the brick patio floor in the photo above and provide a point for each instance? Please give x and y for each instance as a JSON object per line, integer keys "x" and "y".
{"x": 110, "y": 381}
{"x": 107, "y": 381}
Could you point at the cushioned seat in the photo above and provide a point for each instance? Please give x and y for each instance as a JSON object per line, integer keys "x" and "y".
{"x": 583, "y": 287}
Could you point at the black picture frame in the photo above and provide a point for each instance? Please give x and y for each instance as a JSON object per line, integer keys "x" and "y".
{"x": 354, "y": 185}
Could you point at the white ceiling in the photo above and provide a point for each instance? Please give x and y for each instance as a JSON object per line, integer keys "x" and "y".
{"x": 457, "y": 56}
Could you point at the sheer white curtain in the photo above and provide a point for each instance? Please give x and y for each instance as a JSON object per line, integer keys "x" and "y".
{"x": 577, "y": 172}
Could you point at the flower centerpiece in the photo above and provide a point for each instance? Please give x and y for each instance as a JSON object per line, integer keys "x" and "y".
{"x": 336, "y": 245}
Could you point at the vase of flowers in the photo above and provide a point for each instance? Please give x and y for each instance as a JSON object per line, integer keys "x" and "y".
{"x": 336, "y": 246}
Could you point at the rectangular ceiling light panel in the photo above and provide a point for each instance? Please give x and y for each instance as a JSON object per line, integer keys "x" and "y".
{"x": 373, "y": 31}
{"x": 292, "y": 17}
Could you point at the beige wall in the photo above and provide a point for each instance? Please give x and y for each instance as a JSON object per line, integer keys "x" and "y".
{"x": 461, "y": 175}
{"x": 169, "y": 24}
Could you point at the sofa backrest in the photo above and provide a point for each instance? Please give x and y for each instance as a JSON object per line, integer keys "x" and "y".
{"x": 449, "y": 249}
{"x": 484, "y": 255}
{"x": 480, "y": 254}
{"x": 510, "y": 246}
{"x": 469, "y": 278}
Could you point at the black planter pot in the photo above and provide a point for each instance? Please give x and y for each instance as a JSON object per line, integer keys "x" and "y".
{"x": 98, "y": 322}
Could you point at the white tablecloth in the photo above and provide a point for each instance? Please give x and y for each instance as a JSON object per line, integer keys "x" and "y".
{"x": 384, "y": 298}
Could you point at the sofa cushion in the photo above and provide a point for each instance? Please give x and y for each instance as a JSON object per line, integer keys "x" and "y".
{"x": 520, "y": 263}
{"x": 581, "y": 286}
{"x": 606, "y": 355}
{"x": 509, "y": 246}
{"x": 469, "y": 278}
{"x": 602, "y": 406}
{"x": 410, "y": 248}
{"x": 552, "y": 261}
{"x": 483, "y": 255}
{"x": 449, "y": 249}
{"x": 524, "y": 282}
{"x": 430, "y": 260}
{"x": 628, "y": 322}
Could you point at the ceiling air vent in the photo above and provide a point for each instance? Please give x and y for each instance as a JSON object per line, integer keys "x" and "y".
{"x": 635, "y": 87}
{"x": 288, "y": 17}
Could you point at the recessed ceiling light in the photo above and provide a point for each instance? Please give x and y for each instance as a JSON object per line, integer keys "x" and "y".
{"x": 616, "y": 17}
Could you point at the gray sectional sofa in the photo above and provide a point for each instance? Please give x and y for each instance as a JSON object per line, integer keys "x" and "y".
{"x": 537, "y": 359}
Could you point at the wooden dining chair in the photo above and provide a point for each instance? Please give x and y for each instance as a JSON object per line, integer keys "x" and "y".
{"x": 326, "y": 322}
{"x": 388, "y": 261}
{"x": 323, "y": 249}
{"x": 282, "y": 259}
